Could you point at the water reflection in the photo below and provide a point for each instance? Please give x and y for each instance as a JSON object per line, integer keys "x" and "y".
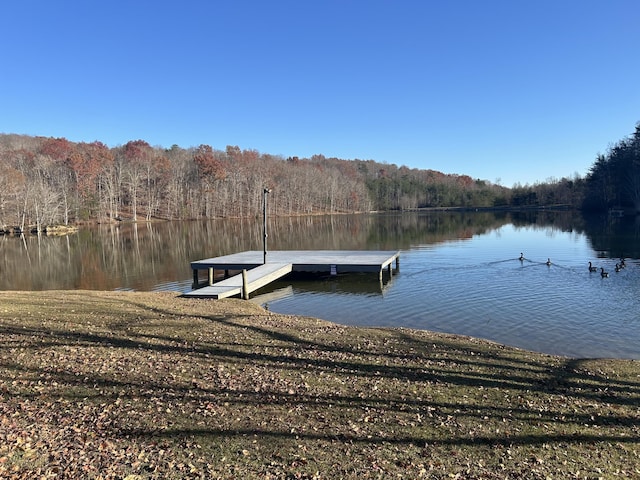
{"x": 145, "y": 256}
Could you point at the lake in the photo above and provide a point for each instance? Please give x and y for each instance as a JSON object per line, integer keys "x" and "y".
{"x": 459, "y": 272}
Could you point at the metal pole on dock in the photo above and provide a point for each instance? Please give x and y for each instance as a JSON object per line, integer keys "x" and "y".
{"x": 264, "y": 224}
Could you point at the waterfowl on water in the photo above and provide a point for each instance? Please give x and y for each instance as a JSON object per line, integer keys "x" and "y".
{"x": 622, "y": 264}
{"x": 521, "y": 257}
{"x": 618, "y": 267}
{"x": 592, "y": 268}
{"x": 603, "y": 273}
{"x": 548, "y": 261}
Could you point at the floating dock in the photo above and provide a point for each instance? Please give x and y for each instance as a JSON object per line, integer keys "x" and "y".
{"x": 257, "y": 273}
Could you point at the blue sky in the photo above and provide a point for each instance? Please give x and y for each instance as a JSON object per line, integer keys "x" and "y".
{"x": 503, "y": 90}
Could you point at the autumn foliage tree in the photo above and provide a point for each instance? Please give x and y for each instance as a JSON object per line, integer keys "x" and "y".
{"x": 86, "y": 164}
{"x": 210, "y": 171}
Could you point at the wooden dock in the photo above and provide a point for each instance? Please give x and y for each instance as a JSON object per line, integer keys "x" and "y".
{"x": 256, "y": 274}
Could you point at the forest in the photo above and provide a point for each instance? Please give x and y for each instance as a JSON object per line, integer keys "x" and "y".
{"x": 48, "y": 181}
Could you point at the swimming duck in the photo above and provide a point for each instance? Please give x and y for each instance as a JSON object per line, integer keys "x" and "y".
{"x": 618, "y": 267}
{"x": 622, "y": 264}
{"x": 592, "y": 268}
{"x": 548, "y": 262}
{"x": 603, "y": 274}
{"x": 521, "y": 257}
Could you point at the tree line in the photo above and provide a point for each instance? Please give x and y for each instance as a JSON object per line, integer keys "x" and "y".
{"x": 54, "y": 181}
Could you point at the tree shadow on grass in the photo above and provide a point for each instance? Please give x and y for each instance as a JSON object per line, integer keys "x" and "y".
{"x": 528, "y": 440}
{"x": 428, "y": 360}
{"x": 421, "y": 376}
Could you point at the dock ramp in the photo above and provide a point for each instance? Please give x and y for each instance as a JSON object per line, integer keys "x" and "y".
{"x": 256, "y": 278}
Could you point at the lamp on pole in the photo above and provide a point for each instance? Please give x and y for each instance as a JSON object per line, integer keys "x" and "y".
{"x": 264, "y": 223}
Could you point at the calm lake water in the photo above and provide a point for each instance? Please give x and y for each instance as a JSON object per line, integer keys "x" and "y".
{"x": 459, "y": 272}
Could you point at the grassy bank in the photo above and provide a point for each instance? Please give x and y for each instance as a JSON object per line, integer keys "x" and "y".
{"x": 150, "y": 385}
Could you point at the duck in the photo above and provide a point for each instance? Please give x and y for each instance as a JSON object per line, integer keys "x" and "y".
{"x": 603, "y": 274}
{"x": 548, "y": 262}
{"x": 592, "y": 268}
{"x": 622, "y": 264}
{"x": 618, "y": 267}
{"x": 521, "y": 257}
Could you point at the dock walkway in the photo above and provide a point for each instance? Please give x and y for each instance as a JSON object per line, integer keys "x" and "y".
{"x": 256, "y": 278}
{"x": 281, "y": 262}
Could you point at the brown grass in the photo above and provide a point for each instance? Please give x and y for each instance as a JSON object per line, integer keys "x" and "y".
{"x": 151, "y": 385}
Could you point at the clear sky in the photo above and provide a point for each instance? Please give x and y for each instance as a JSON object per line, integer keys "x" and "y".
{"x": 502, "y": 90}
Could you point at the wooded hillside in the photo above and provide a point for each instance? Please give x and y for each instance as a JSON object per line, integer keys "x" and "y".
{"x": 53, "y": 181}
{"x": 45, "y": 181}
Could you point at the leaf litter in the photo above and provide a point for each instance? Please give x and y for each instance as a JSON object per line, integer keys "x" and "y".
{"x": 113, "y": 385}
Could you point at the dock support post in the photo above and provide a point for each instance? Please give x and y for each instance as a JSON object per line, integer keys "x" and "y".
{"x": 195, "y": 279}
{"x": 210, "y": 276}
{"x": 245, "y": 285}
{"x": 397, "y": 263}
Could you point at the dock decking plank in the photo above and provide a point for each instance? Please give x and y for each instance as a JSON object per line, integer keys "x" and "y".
{"x": 303, "y": 260}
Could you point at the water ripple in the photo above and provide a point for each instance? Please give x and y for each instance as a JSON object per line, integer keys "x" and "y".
{"x": 560, "y": 308}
